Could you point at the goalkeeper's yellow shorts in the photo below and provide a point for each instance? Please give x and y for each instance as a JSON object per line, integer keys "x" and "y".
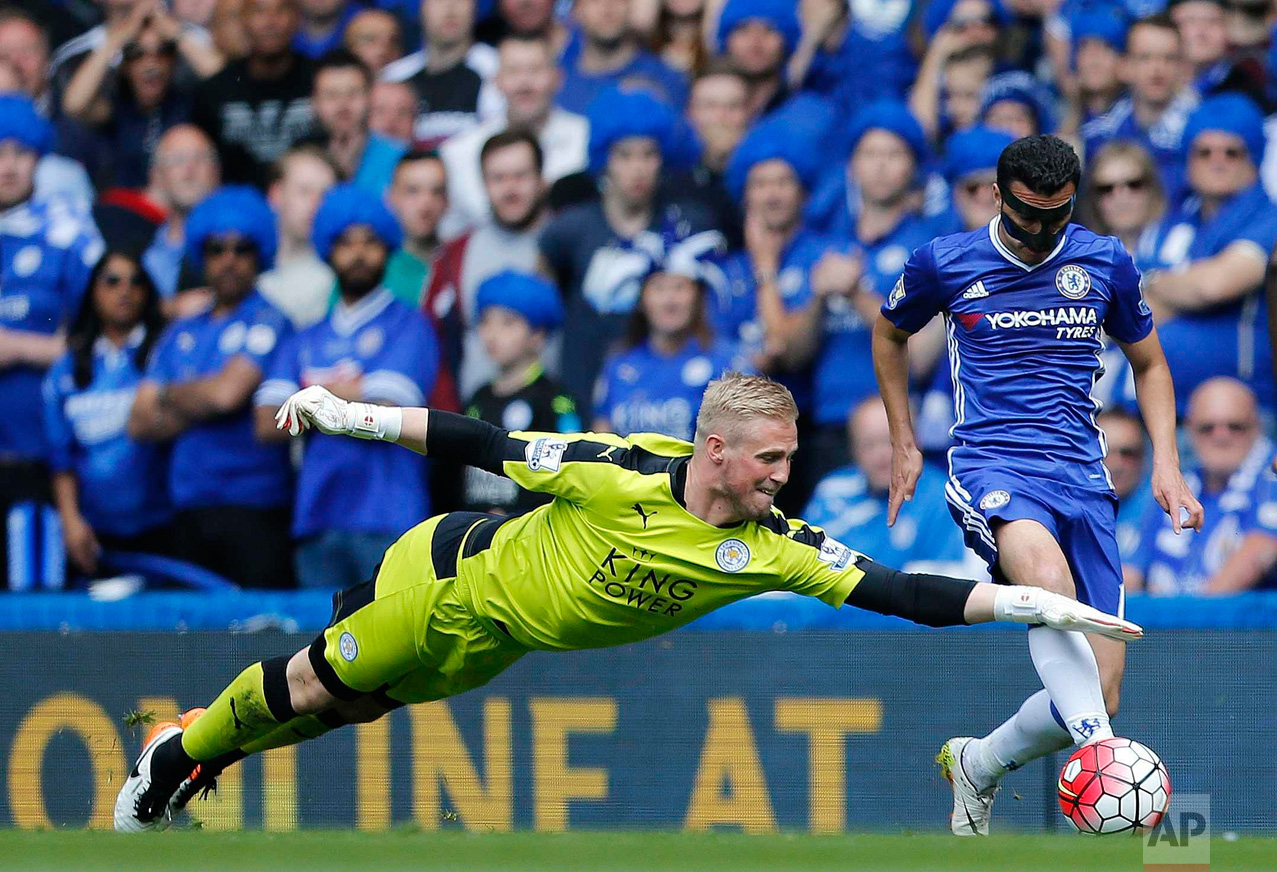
{"x": 405, "y": 636}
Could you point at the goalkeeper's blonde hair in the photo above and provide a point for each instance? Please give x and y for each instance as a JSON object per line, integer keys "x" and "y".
{"x": 734, "y": 398}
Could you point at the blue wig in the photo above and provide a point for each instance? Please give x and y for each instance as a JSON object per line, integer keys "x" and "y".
{"x": 531, "y": 296}
{"x": 345, "y": 206}
{"x": 20, "y": 121}
{"x": 232, "y": 209}
{"x": 780, "y": 15}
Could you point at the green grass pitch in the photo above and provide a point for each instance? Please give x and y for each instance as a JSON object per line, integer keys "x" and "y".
{"x": 596, "y": 851}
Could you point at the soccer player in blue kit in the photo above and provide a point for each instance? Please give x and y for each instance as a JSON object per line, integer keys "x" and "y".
{"x": 1025, "y": 301}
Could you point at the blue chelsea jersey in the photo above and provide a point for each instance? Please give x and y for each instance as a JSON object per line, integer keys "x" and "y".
{"x": 644, "y": 391}
{"x": 1181, "y": 565}
{"x": 123, "y": 485}
{"x": 47, "y": 249}
{"x": 219, "y": 462}
{"x": 1024, "y": 343}
{"x": 1230, "y": 339}
{"x": 924, "y": 538}
{"x": 843, "y": 372}
{"x": 351, "y": 484}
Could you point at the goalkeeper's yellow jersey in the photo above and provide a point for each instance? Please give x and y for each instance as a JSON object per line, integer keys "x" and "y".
{"x": 616, "y": 557}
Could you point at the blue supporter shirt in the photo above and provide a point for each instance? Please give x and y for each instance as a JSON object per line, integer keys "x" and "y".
{"x": 843, "y": 372}
{"x": 377, "y": 166}
{"x": 1131, "y": 511}
{"x": 1231, "y": 339}
{"x": 924, "y": 538}
{"x": 1164, "y": 140}
{"x": 733, "y": 307}
{"x": 47, "y": 250}
{"x": 218, "y": 461}
{"x": 1024, "y": 344}
{"x": 352, "y": 484}
{"x": 601, "y": 276}
{"x": 1181, "y": 565}
{"x": 162, "y": 260}
{"x": 646, "y": 72}
{"x": 875, "y": 59}
{"x": 123, "y": 485}
{"x": 316, "y": 47}
{"x": 643, "y": 391}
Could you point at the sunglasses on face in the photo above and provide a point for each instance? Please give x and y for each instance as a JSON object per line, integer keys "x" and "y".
{"x": 1234, "y": 427}
{"x": 115, "y": 280}
{"x": 1104, "y": 189}
{"x": 1232, "y": 152}
{"x": 239, "y": 248}
{"x": 133, "y": 51}
{"x": 973, "y": 21}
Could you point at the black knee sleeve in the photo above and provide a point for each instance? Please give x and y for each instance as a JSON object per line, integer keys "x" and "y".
{"x": 331, "y": 719}
{"x": 275, "y": 688}
{"x": 932, "y": 600}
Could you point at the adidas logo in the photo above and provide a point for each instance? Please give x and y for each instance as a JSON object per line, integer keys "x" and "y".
{"x": 975, "y": 292}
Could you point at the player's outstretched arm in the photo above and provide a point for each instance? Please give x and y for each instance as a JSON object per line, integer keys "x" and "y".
{"x": 941, "y": 601}
{"x": 448, "y": 436}
{"x": 461, "y": 438}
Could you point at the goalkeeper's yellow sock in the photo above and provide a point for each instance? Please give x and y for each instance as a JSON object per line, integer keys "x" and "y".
{"x": 299, "y": 729}
{"x": 252, "y": 706}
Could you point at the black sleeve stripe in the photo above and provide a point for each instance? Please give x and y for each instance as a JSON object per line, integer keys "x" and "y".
{"x": 478, "y": 443}
{"x": 805, "y": 534}
{"x": 634, "y": 458}
{"x": 776, "y": 523}
{"x": 808, "y": 536}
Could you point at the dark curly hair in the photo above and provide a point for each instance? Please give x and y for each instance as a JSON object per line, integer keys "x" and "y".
{"x": 1043, "y": 164}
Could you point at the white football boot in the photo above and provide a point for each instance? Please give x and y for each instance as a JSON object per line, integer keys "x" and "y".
{"x": 971, "y": 807}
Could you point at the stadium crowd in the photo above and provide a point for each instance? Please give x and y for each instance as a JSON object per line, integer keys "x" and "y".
{"x": 572, "y": 214}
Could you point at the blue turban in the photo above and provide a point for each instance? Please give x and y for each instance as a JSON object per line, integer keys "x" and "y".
{"x": 938, "y": 12}
{"x": 772, "y": 140}
{"x": 20, "y": 121}
{"x": 1020, "y": 87}
{"x": 1106, "y": 25}
{"x": 1229, "y": 113}
{"x": 232, "y": 209}
{"x": 615, "y": 115}
{"x": 974, "y": 150}
{"x": 345, "y": 206}
{"x": 531, "y": 296}
{"x": 894, "y": 117}
{"x": 780, "y": 15}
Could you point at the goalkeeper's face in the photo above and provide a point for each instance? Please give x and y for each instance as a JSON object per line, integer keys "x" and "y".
{"x": 756, "y": 459}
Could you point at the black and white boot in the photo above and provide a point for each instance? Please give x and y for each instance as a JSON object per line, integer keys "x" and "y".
{"x": 143, "y": 802}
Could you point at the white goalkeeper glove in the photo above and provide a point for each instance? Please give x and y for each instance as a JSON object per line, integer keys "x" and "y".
{"x": 318, "y": 407}
{"x": 1033, "y": 605}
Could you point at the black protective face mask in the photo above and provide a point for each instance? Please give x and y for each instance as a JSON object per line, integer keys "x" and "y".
{"x": 1045, "y": 240}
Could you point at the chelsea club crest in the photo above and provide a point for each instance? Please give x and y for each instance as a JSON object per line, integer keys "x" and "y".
{"x": 1073, "y": 282}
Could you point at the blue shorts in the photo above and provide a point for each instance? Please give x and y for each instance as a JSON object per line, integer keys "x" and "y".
{"x": 1083, "y": 522}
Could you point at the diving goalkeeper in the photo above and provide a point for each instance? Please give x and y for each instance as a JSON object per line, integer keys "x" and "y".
{"x": 644, "y": 535}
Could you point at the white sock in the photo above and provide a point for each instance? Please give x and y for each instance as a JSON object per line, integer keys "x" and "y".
{"x": 1030, "y": 733}
{"x": 1066, "y": 664}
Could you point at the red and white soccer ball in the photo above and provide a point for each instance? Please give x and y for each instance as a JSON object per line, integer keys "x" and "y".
{"x": 1114, "y": 786}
